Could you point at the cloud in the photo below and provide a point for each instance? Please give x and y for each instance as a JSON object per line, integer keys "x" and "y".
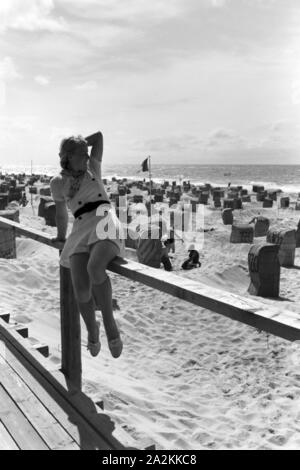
{"x": 295, "y": 95}
{"x": 225, "y": 138}
{"x": 217, "y": 3}
{"x": 8, "y": 69}
{"x": 41, "y": 80}
{"x": 222, "y": 134}
{"x": 24, "y": 125}
{"x": 8, "y": 72}
{"x": 130, "y": 11}
{"x": 171, "y": 143}
{"x": 120, "y": 34}
{"x": 58, "y": 133}
{"x": 29, "y": 15}
{"x": 89, "y": 85}
{"x": 113, "y": 36}
{"x": 280, "y": 125}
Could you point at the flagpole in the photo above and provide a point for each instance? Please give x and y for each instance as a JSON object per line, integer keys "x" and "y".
{"x": 150, "y": 181}
{"x": 150, "y": 177}
{"x": 31, "y": 187}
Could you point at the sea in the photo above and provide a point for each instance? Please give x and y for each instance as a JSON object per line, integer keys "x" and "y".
{"x": 284, "y": 177}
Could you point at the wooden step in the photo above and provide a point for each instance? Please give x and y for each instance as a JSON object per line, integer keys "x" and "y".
{"x": 41, "y": 348}
{"x": 5, "y": 317}
{"x": 100, "y": 404}
{"x": 21, "y": 329}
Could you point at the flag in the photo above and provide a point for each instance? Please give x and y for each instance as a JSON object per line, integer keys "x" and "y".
{"x": 145, "y": 165}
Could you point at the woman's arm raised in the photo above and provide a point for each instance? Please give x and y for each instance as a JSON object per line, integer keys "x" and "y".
{"x": 96, "y": 142}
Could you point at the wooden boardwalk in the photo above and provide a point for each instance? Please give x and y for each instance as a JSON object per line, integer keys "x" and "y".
{"x": 39, "y": 412}
{"x": 26, "y": 422}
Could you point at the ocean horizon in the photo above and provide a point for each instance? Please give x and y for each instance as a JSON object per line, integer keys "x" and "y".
{"x": 284, "y": 177}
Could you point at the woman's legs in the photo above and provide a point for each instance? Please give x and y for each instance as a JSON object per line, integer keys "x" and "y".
{"x": 82, "y": 291}
{"x": 101, "y": 254}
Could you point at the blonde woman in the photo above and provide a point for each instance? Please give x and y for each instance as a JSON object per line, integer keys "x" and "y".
{"x": 79, "y": 186}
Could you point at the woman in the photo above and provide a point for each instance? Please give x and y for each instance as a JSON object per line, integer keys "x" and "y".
{"x": 86, "y": 253}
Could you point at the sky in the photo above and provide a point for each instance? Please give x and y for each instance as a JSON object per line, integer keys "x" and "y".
{"x": 185, "y": 81}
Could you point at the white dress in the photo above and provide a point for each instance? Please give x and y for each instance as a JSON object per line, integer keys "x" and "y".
{"x": 91, "y": 227}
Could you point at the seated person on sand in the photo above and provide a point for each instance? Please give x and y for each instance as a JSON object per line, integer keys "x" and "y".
{"x": 193, "y": 259}
{"x": 24, "y": 200}
{"x": 88, "y": 250}
{"x": 254, "y": 220}
{"x": 165, "y": 259}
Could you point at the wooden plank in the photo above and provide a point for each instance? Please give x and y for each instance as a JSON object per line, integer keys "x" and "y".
{"x": 96, "y": 424}
{"x": 53, "y": 403}
{"x": 39, "y": 417}
{"x": 17, "y": 425}
{"x": 6, "y": 440}
{"x": 70, "y": 330}
{"x": 246, "y": 310}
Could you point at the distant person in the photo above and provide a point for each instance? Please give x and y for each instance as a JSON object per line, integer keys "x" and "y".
{"x": 79, "y": 186}
{"x": 165, "y": 259}
{"x": 24, "y": 200}
{"x": 192, "y": 261}
{"x": 255, "y": 219}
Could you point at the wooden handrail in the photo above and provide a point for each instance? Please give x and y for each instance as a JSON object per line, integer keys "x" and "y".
{"x": 31, "y": 233}
{"x": 282, "y": 323}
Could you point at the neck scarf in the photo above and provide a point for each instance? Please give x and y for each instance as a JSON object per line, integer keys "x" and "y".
{"x": 75, "y": 178}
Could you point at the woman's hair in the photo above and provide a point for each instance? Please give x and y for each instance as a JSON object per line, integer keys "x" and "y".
{"x": 67, "y": 147}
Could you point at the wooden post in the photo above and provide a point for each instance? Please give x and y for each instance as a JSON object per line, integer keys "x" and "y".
{"x": 70, "y": 330}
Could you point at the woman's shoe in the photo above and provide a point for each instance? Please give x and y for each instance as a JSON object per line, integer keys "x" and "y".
{"x": 115, "y": 347}
{"x": 94, "y": 348}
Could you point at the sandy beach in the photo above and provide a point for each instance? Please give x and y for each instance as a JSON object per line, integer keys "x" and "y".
{"x": 188, "y": 378}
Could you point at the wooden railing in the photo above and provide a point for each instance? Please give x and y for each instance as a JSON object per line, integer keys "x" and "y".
{"x": 282, "y": 323}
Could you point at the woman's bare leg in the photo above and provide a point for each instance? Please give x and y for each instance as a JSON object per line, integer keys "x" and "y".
{"x": 82, "y": 291}
{"x": 103, "y": 297}
{"x": 101, "y": 254}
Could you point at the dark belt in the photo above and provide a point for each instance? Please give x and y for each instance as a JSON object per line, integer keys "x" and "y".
{"x": 89, "y": 207}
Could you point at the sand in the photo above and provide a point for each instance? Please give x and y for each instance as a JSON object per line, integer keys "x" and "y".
{"x": 188, "y": 378}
